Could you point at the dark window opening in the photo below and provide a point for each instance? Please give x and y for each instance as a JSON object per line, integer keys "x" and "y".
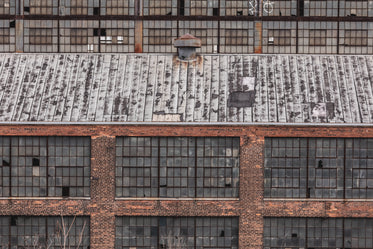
{"x": 26, "y": 9}
{"x": 13, "y": 221}
{"x": 96, "y": 32}
{"x": 96, "y": 11}
{"x": 182, "y": 7}
{"x": 215, "y": 11}
{"x": 301, "y": 7}
{"x": 65, "y": 191}
{"x": 35, "y": 162}
{"x": 6, "y": 163}
{"x": 12, "y": 24}
{"x": 320, "y": 164}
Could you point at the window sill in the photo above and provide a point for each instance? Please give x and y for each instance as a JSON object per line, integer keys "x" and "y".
{"x": 45, "y": 198}
{"x": 319, "y": 200}
{"x": 173, "y": 199}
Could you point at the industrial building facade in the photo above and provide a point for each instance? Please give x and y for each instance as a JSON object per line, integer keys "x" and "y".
{"x": 225, "y": 26}
{"x": 150, "y": 151}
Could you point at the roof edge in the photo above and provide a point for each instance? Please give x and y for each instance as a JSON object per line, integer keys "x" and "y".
{"x": 8, "y": 123}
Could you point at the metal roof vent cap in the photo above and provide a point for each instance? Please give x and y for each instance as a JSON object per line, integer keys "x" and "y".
{"x": 186, "y": 46}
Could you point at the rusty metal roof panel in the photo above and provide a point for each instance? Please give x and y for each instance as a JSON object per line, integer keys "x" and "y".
{"x": 161, "y": 88}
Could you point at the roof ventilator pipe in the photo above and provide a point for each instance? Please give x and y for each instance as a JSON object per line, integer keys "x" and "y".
{"x": 186, "y": 46}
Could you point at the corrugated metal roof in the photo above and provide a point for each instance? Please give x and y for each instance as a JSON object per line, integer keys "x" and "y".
{"x": 159, "y": 88}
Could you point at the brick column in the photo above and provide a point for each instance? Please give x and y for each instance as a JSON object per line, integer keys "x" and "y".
{"x": 102, "y": 192}
{"x": 251, "y": 192}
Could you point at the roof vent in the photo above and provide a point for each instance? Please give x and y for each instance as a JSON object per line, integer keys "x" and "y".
{"x": 186, "y": 46}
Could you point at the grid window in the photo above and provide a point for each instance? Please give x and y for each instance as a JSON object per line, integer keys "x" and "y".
{"x": 344, "y": 233}
{"x": 118, "y": 36}
{"x": 158, "y": 36}
{"x": 239, "y": 8}
{"x": 281, "y": 37}
{"x": 44, "y": 232}
{"x": 45, "y": 166}
{"x": 5, "y": 6}
{"x": 79, "y": 7}
{"x": 4, "y": 36}
{"x": 236, "y": 37}
{"x": 160, "y": 7}
{"x": 355, "y": 8}
{"x": 356, "y": 37}
{"x": 79, "y": 36}
{"x": 201, "y": 8}
{"x": 41, "y": 36}
{"x": 318, "y": 8}
{"x": 317, "y": 37}
{"x": 177, "y": 167}
{"x": 207, "y": 31}
{"x": 318, "y": 168}
{"x": 41, "y": 7}
{"x": 176, "y": 232}
{"x": 359, "y": 171}
{"x": 119, "y": 7}
{"x": 278, "y": 8}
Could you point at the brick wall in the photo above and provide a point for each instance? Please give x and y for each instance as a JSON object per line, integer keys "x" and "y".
{"x": 250, "y": 207}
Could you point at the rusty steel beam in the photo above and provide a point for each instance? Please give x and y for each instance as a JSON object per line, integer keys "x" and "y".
{"x": 189, "y": 18}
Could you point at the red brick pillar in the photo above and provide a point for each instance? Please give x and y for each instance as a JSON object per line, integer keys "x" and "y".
{"x": 251, "y": 192}
{"x": 102, "y": 192}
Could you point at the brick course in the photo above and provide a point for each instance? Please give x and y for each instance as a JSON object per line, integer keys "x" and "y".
{"x": 251, "y": 207}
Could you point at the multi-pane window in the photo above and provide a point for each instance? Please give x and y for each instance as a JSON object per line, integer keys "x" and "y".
{"x": 177, "y": 167}
{"x": 207, "y": 31}
{"x": 44, "y": 166}
{"x": 236, "y": 37}
{"x": 279, "y": 37}
{"x": 40, "y": 7}
{"x": 239, "y": 8}
{"x": 5, "y": 7}
{"x": 202, "y": 8}
{"x": 318, "y": 8}
{"x": 176, "y": 232}
{"x": 44, "y": 232}
{"x": 4, "y": 36}
{"x": 40, "y": 36}
{"x": 79, "y": 7}
{"x": 160, "y": 7}
{"x": 343, "y": 233}
{"x": 278, "y": 8}
{"x": 78, "y": 36}
{"x": 318, "y": 168}
{"x": 317, "y": 37}
{"x": 356, "y": 37}
{"x": 119, "y": 7}
{"x": 158, "y": 36}
{"x": 355, "y": 8}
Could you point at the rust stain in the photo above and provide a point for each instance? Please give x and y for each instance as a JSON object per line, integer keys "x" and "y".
{"x": 258, "y": 28}
{"x": 138, "y": 37}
